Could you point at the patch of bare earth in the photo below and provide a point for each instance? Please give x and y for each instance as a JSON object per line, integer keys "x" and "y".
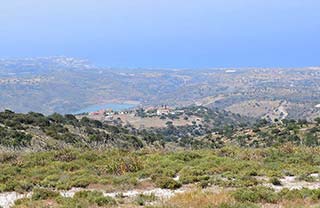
{"x": 254, "y": 108}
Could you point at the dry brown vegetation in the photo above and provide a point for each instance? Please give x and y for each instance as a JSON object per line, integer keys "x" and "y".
{"x": 197, "y": 198}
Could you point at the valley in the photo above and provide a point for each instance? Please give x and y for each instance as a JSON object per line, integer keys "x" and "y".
{"x": 76, "y": 135}
{"x": 159, "y": 104}
{"x": 214, "y": 157}
{"x": 26, "y": 85}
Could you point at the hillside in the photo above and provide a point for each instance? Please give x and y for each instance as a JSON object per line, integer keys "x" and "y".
{"x": 65, "y": 161}
{"x": 286, "y": 176}
{"x": 159, "y": 104}
{"x": 39, "y": 132}
{"x": 26, "y": 85}
{"x": 214, "y": 129}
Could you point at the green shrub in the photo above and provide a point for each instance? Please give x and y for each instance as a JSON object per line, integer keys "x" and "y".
{"x": 121, "y": 165}
{"x": 246, "y": 181}
{"x": 65, "y": 156}
{"x": 167, "y": 183}
{"x": 316, "y": 194}
{"x": 95, "y": 197}
{"x": 23, "y": 186}
{"x": 82, "y": 181}
{"x": 160, "y": 171}
{"x": 141, "y": 199}
{"x": 21, "y": 201}
{"x": 104, "y": 200}
{"x": 204, "y": 184}
{"x": 186, "y": 156}
{"x": 42, "y": 194}
{"x": 256, "y": 194}
{"x": 12, "y": 185}
{"x": 275, "y": 181}
{"x": 297, "y": 194}
{"x": 306, "y": 177}
{"x": 238, "y": 205}
{"x": 6, "y": 157}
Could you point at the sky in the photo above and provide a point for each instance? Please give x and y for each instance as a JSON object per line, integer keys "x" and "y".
{"x": 165, "y": 33}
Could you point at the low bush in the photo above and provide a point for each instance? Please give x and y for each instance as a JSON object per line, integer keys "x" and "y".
{"x": 141, "y": 199}
{"x": 95, "y": 197}
{"x": 238, "y": 205}
{"x": 6, "y": 157}
{"x": 258, "y": 194}
{"x": 200, "y": 199}
{"x": 167, "y": 183}
{"x": 42, "y": 194}
{"x": 122, "y": 165}
{"x": 65, "y": 156}
{"x": 275, "y": 181}
{"x": 304, "y": 193}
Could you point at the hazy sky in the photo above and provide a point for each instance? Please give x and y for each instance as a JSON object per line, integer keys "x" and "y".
{"x": 165, "y": 33}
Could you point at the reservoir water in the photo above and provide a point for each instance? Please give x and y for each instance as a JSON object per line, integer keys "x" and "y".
{"x": 113, "y": 106}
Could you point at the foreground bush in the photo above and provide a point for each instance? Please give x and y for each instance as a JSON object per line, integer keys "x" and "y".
{"x": 42, "y": 194}
{"x": 167, "y": 183}
{"x": 141, "y": 199}
{"x": 95, "y": 197}
{"x": 256, "y": 195}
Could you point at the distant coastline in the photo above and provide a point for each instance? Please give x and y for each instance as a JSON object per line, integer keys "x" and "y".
{"x": 112, "y": 106}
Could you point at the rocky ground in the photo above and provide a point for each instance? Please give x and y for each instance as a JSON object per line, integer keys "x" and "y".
{"x": 7, "y": 199}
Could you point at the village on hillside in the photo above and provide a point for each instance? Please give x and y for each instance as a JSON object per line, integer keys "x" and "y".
{"x": 145, "y": 117}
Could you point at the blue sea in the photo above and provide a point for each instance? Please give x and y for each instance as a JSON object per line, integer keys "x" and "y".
{"x": 113, "y": 106}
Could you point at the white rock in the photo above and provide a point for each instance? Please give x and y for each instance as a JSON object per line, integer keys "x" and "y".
{"x": 7, "y": 199}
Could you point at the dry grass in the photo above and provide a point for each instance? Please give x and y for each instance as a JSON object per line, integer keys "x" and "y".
{"x": 198, "y": 199}
{"x": 154, "y": 122}
{"x": 297, "y": 203}
{"x": 39, "y": 204}
{"x": 145, "y": 185}
{"x": 256, "y": 108}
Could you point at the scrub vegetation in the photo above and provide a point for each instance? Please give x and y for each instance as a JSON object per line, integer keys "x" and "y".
{"x": 238, "y": 171}
{"x": 45, "y": 156}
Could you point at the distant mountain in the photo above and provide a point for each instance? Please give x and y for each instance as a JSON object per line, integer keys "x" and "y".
{"x": 66, "y": 85}
{"x": 34, "y": 66}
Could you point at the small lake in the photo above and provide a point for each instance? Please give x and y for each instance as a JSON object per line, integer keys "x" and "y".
{"x": 113, "y": 106}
